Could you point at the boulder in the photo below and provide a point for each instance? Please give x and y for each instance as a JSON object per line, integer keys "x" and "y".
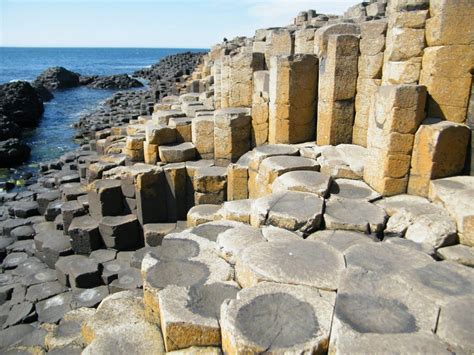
{"x": 20, "y": 103}
{"x": 57, "y": 78}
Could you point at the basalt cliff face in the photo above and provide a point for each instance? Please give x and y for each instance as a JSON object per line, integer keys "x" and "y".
{"x": 307, "y": 190}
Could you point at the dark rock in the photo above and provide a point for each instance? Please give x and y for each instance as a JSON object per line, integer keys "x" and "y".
{"x": 54, "y": 308}
{"x": 112, "y": 269}
{"x": 89, "y": 297}
{"x": 128, "y": 279}
{"x": 44, "y": 290}
{"x": 13, "y": 152}
{"x": 44, "y": 94}
{"x": 25, "y": 209}
{"x": 85, "y": 236}
{"x": 120, "y": 81}
{"x": 13, "y": 260}
{"x": 23, "y": 233}
{"x": 57, "y": 78}
{"x": 20, "y": 313}
{"x": 53, "y": 248}
{"x": 8, "y": 128}
{"x": 13, "y": 334}
{"x": 120, "y": 232}
{"x": 20, "y": 103}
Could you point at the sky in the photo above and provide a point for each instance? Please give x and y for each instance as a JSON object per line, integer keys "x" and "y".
{"x": 146, "y": 23}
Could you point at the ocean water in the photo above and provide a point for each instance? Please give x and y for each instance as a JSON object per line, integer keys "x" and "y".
{"x": 55, "y": 133}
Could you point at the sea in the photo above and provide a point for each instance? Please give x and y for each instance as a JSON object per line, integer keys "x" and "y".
{"x": 55, "y": 132}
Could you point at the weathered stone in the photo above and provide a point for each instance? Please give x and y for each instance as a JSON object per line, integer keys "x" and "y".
{"x": 112, "y": 268}
{"x": 210, "y": 180}
{"x": 295, "y": 211}
{"x": 232, "y": 241}
{"x": 177, "y": 153}
{"x": 105, "y": 198}
{"x": 163, "y": 116}
{"x": 203, "y": 136}
{"x": 202, "y": 214}
{"x": 321, "y": 36}
{"x": 160, "y": 134}
{"x": 43, "y": 290}
{"x": 238, "y": 210}
{"x": 85, "y": 236}
{"x": 278, "y": 42}
{"x": 289, "y": 262}
{"x": 151, "y": 199}
{"x": 127, "y": 279}
{"x": 45, "y": 198}
{"x": 353, "y": 189}
{"x": 272, "y": 234}
{"x": 120, "y": 232}
{"x": 396, "y": 109}
{"x": 19, "y": 313}
{"x": 190, "y": 316}
{"x": 231, "y": 134}
{"x": 23, "y": 233}
{"x": 53, "y": 248}
{"x": 154, "y": 232}
{"x": 439, "y": 150}
{"x": 237, "y": 178}
{"x": 260, "y": 108}
{"x": 460, "y": 254}
{"x": 293, "y": 96}
{"x": 303, "y": 181}
{"x": 341, "y": 239}
{"x": 456, "y": 194}
{"x": 150, "y": 153}
{"x": 54, "y": 308}
{"x": 259, "y": 320}
{"x": 109, "y": 328}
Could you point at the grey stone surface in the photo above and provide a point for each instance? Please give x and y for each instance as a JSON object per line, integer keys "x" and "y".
{"x": 341, "y": 239}
{"x": 85, "y": 236}
{"x": 353, "y": 189}
{"x": 120, "y": 232}
{"x": 303, "y": 181}
{"x": 54, "y": 308}
{"x": 460, "y": 254}
{"x": 356, "y": 215}
{"x": 291, "y": 262}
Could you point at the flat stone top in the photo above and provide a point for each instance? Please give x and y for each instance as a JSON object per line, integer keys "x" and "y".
{"x": 341, "y": 239}
{"x": 283, "y": 162}
{"x": 71, "y": 206}
{"x": 353, "y": 189}
{"x": 212, "y": 171}
{"x": 277, "y": 318}
{"x": 238, "y": 111}
{"x": 180, "y": 146}
{"x": 118, "y": 220}
{"x": 268, "y": 150}
{"x": 169, "y": 113}
{"x": 122, "y": 172}
{"x": 177, "y": 272}
{"x": 302, "y": 262}
{"x": 180, "y": 121}
{"x": 84, "y": 223}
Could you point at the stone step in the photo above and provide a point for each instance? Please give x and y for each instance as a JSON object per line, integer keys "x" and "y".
{"x": 177, "y": 153}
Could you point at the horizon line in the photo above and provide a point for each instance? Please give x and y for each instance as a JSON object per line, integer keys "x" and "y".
{"x": 106, "y": 47}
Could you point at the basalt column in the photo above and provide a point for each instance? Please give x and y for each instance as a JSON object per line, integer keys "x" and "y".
{"x": 337, "y": 89}
{"x": 395, "y": 115}
{"x": 260, "y": 101}
{"x": 371, "y": 47}
{"x": 293, "y": 97}
{"x": 448, "y": 62}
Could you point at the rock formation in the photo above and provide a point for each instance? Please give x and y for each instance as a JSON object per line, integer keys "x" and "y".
{"x": 279, "y": 201}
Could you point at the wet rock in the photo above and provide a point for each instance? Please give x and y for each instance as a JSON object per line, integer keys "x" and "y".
{"x": 13, "y": 152}
{"x": 20, "y": 103}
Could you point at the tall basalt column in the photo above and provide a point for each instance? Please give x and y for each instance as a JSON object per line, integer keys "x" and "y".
{"x": 448, "y": 62}
{"x": 260, "y": 101}
{"x": 293, "y": 97}
{"x": 439, "y": 151}
{"x": 395, "y": 115}
{"x": 231, "y": 134}
{"x": 242, "y": 65}
{"x": 225, "y": 75}
{"x": 337, "y": 89}
{"x": 216, "y": 72}
{"x": 405, "y": 42}
{"x": 371, "y": 47}
{"x": 279, "y": 41}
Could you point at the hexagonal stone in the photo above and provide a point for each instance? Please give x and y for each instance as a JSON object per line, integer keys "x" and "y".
{"x": 54, "y": 248}
{"x": 293, "y": 262}
{"x": 13, "y": 334}
{"x": 154, "y": 232}
{"x": 295, "y": 211}
{"x": 44, "y": 274}
{"x": 269, "y": 150}
{"x": 190, "y": 316}
{"x": 54, "y": 308}
{"x": 232, "y": 241}
{"x": 237, "y": 210}
{"x": 408, "y": 321}
{"x": 103, "y": 255}
{"x": 109, "y": 328}
{"x": 44, "y": 290}
{"x": 83, "y": 273}
{"x": 274, "y": 234}
{"x": 303, "y": 181}
{"x": 33, "y": 343}
{"x": 212, "y": 230}
{"x": 442, "y": 282}
{"x": 385, "y": 258}
{"x": 68, "y": 332}
{"x": 23, "y": 233}
{"x": 85, "y": 236}
{"x": 89, "y": 297}
{"x": 424, "y": 248}
{"x": 11, "y": 224}
{"x": 128, "y": 279}
{"x": 45, "y": 198}
{"x": 394, "y": 204}
{"x": 202, "y": 214}
{"x": 177, "y": 153}
{"x": 105, "y": 198}
{"x": 120, "y": 232}
{"x": 433, "y": 230}
{"x": 341, "y": 239}
{"x": 20, "y": 313}
{"x": 69, "y": 210}
{"x": 356, "y": 215}
{"x": 353, "y": 189}
{"x": 53, "y": 210}
{"x": 13, "y": 260}
{"x": 63, "y": 269}
{"x": 278, "y": 319}
{"x": 25, "y": 209}
{"x": 187, "y": 266}
{"x": 456, "y": 325}
{"x": 111, "y": 270}
{"x": 460, "y": 254}
{"x": 22, "y": 246}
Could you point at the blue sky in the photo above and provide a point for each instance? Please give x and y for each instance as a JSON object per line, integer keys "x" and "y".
{"x": 145, "y": 23}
